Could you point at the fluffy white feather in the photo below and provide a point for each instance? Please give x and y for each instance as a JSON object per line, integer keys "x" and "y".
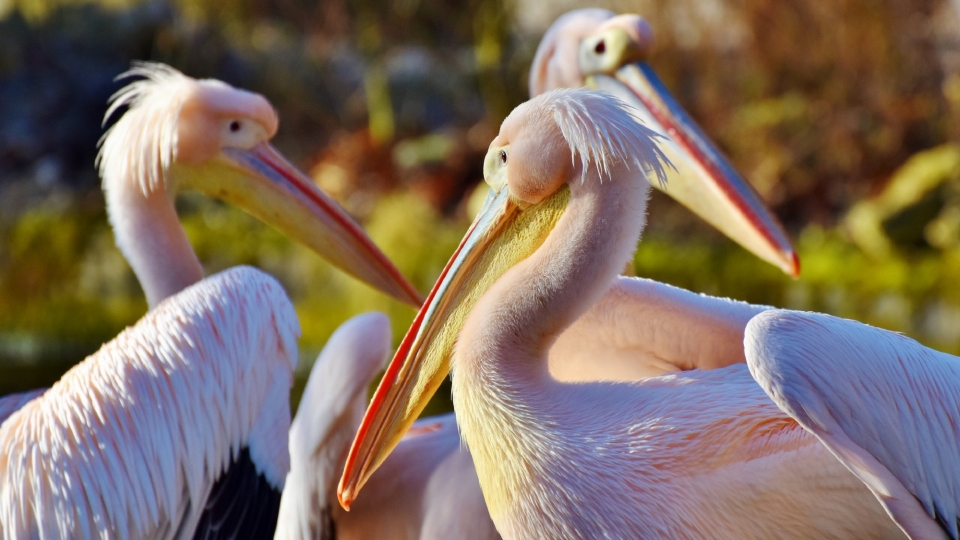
{"x": 602, "y": 131}
{"x": 109, "y": 452}
{"x": 142, "y": 144}
{"x": 886, "y": 406}
{"x": 11, "y": 403}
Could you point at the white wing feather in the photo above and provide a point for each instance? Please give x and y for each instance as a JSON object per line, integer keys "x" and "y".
{"x": 886, "y": 406}
{"x": 130, "y": 441}
{"x": 329, "y": 413}
{"x": 11, "y": 403}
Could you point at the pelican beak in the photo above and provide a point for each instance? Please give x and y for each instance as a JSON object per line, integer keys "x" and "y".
{"x": 703, "y": 180}
{"x": 263, "y": 183}
{"x": 504, "y": 233}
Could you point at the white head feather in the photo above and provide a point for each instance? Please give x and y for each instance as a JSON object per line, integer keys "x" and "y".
{"x": 142, "y": 143}
{"x": 599, "y": 128}
{"x": 171, "y": 118}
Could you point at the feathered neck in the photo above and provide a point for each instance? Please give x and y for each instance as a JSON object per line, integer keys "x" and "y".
{"x": 500, "y": 378}
{"x": 134, "y": 156}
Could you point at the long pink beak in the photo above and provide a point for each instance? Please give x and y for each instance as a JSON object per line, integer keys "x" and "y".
{"x": 704, "y": 180}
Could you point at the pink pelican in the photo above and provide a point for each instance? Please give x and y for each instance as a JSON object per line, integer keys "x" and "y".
{"x": 803, "y": 360}
{"x": 179, "y": 426}
{"x": 395, "y": 504}
{"x": 427, "y": 489}
{"x": 597, "y": 47}
{"x": 609, "y": 52}
{"x": 690, "y": 454}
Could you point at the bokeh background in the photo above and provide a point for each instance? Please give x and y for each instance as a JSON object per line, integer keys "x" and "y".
{"x": 843, "y": 114}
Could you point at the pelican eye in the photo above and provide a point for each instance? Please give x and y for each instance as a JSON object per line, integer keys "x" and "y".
{"x": 503, "y": 157}
{"x": 601, "y": 47}
{"x": 235, "y": 126}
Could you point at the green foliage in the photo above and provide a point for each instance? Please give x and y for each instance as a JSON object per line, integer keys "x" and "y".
{"x": 66, "y": 288}
{"x": 817, "y": 103}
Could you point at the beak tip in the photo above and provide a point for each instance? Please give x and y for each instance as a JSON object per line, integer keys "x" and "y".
{"x": 345, "y": 497}
{"x": 793, "y": 264}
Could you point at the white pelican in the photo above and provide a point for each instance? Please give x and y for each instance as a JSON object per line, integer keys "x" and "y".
{"x": 885, "y": 406}
{"x": 427, "y": 489}
{"x": 609, "y": 52}
{"x": 581, "y": 47}
{"x": 786, "y": 357}
{"x": 178, "y": 427}
{"x": 394, "y": 494}
{"x": 692, "y": 454}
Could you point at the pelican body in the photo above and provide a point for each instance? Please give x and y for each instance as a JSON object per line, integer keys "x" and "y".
{"x": 177, "y": 428}
{"x": 693, "y": 454}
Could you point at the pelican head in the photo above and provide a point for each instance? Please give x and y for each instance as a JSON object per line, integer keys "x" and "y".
{"x": 615, "y": 42}
{"x": 181, "y": 133}
{"x": 562, "y": 146}
{"x": 607, "y": 51}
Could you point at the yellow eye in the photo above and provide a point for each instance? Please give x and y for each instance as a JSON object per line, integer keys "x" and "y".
{"x": 235, "y": 126}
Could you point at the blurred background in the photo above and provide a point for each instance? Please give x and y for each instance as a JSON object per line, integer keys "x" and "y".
{"x": 843, "y": 114}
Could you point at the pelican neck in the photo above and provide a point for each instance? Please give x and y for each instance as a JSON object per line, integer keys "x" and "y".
{"x": 148, "y": 232}
{"x": 503, "y": 393}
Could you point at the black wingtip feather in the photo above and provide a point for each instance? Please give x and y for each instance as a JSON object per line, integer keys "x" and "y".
{"x": 242, "y": 504}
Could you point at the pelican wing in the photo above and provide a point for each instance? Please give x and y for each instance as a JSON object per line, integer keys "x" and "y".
{"x": 131, "y": 442}
{"x": 329, "y": 413}
{"x": 886, "y": 406}
{"x": 452, "y": 499}
{"x": 642, "y": 328}
{"x": 11, "y": 403}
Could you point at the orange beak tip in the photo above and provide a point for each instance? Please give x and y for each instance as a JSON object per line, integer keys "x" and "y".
{"x": 345, "y": 498}
{"x": 794, "y": 265}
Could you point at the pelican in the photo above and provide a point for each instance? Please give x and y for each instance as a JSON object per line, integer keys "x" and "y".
{"x": 394, "y": 494}
{"x": 887, "y": 407}
{"x": 691, "y": 454}
{"x": 814, "y": 367}
{"x": 178, "y": 427}
{"x": 609, "y": 52}
{"x": 601, "y": 49}
{"x": 427, "y": 489}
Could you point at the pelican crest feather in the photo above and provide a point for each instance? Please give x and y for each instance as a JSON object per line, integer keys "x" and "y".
{"x": 602, "y": 130}
{"x": 142, "y": 144}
